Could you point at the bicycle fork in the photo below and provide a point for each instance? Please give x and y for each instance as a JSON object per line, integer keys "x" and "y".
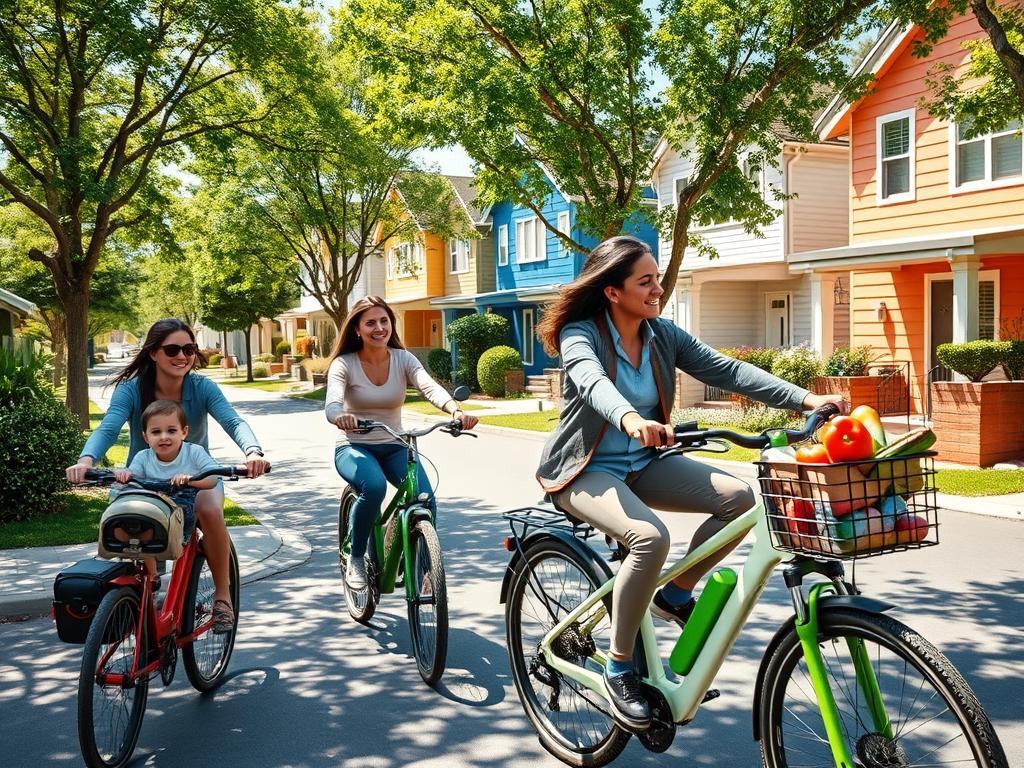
{"x": 807, "y": 632}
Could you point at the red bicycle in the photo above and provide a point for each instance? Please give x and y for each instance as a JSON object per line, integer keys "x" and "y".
{"x": 132, "y": 640}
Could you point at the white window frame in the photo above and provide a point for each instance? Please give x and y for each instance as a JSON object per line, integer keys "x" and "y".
{"x": 458, "y": 257}
{"x": 523, "y": 256}
{"x": 911, "y": 194}
{"x": 988, "y": 182}
{"x": 503, "y": 245}
{"x": 412, "y": 261}
{"x": 528, "y": 337}
{"x": 677, "y": 182}
{"x": 565, "y": 229}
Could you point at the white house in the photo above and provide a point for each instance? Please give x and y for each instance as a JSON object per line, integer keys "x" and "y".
{"x": 748, "y": 296}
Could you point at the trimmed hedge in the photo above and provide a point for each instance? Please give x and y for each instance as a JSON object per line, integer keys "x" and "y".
{"x": 439, "y": 362}
{"x": 260, "y": 371}
{"x": 282, "y": 348}
{"x": 41, "y": 438}
{"x": 1013, "y": 359}
{"x": 973, "y": 359}
{"x": 215, "y": 358}
{"x": 473, "y": 335}
{"x": 492, "y": 367}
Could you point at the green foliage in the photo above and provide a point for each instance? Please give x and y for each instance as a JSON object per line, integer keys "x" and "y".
{"x": 473, "y": 335}
{"x": 761, "y": 357}
{"x": 41, "y": 438}
{"x": 492, "y": 367}
{"x": 22, "y": 377}
{"x": 260, "y": 371}
{"x": 754, "y": 419}
{"x": 798, "y": 365}
{"x": 1013, "y": 359}
{"x": 439, "y": 362}
{"x": 214, "y": 358}
{"x": 282, "y": 348}
{"x": 973, "y": 359}
{"x": 266, "y": 357}
{"x": 847, "y": 361}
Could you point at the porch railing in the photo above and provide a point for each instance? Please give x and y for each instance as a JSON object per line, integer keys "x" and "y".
{"x": 893, "y": 389}
{"x": 713, "y": 394}
{"x": 937, "y": 373}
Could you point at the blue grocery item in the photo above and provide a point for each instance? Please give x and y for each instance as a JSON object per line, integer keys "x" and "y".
{"x": 891, "y": 508}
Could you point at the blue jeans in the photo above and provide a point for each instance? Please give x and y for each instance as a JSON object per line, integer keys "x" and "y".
{"x": 368, "y": 468}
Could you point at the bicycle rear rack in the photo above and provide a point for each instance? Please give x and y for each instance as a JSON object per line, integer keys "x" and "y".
{"x": 527, "y": 518}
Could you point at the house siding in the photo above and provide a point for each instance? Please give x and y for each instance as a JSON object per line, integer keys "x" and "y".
{"x": 935, "y": 209}
{"x": 429, "y": 281}
{"x": 818, "y": 216}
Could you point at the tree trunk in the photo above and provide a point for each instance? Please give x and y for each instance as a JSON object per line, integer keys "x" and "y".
{"x": 680, "y": 236}
{"x": 248, "y": 353}
{"x": 76, "y": 309}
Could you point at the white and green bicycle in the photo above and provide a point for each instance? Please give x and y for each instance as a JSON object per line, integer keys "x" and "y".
{"x": 841, "y": 683}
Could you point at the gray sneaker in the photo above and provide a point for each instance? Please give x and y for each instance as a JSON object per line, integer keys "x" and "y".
{"x": 355, "y": 573}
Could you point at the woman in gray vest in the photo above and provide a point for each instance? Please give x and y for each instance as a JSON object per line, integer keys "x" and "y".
{"x": 620, "y": 359}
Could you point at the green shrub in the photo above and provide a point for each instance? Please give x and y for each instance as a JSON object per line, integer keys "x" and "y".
{"x": 282, "y": 348}
{"x": 760, "y": 418}
{"x": 847, "y": 361}
{"x": 41, "y": 438}
{"x": 473, "y": 335}
{"x": 214, "y": 358}
{"x": 798, "y": 365}
{"x": 22, "y": 377}
{"x": 762, "y": 357}
{"x": 265, "y": 357}
{"x": 973, "y": 359}
{"x": 439, "y": 363}
{"x": 1013, "y": 359}
{"x": 492, "y": 367}
{"x": 260, "y": 371}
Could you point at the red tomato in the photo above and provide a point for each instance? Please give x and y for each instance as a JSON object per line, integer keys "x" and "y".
{"x": 812, "y": 454}
{"x": 800, "y": 517}
{"x": 847, "y": 439}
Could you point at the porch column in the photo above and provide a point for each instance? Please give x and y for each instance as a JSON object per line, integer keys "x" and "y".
{"x": 965, "y": 298}
{"x": 822, "y": 312}
{"x": 688, "y": 293}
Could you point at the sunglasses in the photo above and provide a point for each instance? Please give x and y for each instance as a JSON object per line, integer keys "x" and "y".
{"x": 172, "y": 350}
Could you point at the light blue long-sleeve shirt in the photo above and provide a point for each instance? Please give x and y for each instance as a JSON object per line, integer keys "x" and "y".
{"x": 618, "y": 454}
{"x": 199, "y": 397}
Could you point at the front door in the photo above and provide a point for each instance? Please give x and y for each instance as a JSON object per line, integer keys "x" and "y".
{"x": 776, "y": 327}
{"x": 435, "y": 332}
{"x": 941, "y": 326}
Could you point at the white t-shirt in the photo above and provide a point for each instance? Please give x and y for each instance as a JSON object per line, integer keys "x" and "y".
{"x": 191, "y": 460}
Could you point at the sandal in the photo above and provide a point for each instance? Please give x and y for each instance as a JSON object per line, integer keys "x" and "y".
{"x": 223, "y": 617}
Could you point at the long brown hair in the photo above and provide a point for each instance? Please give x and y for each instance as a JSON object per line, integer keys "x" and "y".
{"x": 609, "y": 264}
{"x": 144, "y": 369}
{"x": 348, "y": 339}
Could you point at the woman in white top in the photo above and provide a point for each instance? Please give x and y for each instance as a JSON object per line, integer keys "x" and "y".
{"x": 370, "y": 370}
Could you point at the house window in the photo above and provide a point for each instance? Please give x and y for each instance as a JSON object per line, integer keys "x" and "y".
{"x": 527, "y": 337}
{"x": 563, "y": 227}
{"x": 503, "y": 245}
{"x": 458, "y": 256}
{"x": 895, "y": 170}
{"x": 993, "y": 159}
{"x": 987, "y": 310}
{"x": 754, "y": 173}
{"x": 405, "y": 260}
{"x": 678, "y": 185}
{"x": 530, "y": 240}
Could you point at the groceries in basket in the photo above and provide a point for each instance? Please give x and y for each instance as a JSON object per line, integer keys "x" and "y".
{"x": 853, "y": 493}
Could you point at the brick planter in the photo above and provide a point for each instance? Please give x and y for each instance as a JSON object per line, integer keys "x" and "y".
{"x": 228, "y": 361}
{"x": 276, "y": 368}
{"x": 859, "y": 390}
{"x": 978, "y": 423}
{"x": 515, "y": 381}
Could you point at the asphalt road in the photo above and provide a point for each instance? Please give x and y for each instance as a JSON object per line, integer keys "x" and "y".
{"x": 308, "y": 687}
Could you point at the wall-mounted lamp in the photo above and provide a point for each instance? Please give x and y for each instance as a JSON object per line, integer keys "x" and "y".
{"x": 881, "y": 312}
{"x": 839, "y": 294}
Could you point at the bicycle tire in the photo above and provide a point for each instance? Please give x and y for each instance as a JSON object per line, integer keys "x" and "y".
{"x": 112, "y": 637}
{"x": 361, "y": 603}
{"x": 206, "y": 658}
{"x": 911, "y": 652}
{"x": 609, "y": 739}
{"x": 429, "y": 638}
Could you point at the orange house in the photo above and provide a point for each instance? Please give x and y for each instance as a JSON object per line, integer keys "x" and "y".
{"x": 936, "y": 249}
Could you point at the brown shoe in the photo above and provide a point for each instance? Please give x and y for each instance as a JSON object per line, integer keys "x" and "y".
{"x": 223, "y": 617}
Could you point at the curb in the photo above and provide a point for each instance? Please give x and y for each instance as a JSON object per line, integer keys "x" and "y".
{"x": 292, "y": 550}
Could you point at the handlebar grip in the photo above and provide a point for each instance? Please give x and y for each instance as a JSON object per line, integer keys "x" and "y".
{"x": 827, "y": 411}
{"x": 364, "y": 424}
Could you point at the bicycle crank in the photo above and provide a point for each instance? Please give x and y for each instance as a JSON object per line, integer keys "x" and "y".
{"x": 662, "y": 733}
{"x": 168, "y": 660}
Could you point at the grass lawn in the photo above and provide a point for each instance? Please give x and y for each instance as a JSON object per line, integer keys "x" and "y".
{"x": 267, "y": 385}
{"x": 78, "y": 523}
{"x": 535, "y": 421}
{"x": 117, "y": 455}
{"x": 979, "y": 482}
{"x": 319, "y": 394}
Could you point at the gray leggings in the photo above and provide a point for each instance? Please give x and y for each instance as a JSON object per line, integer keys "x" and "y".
{"x": 623, "y": 511}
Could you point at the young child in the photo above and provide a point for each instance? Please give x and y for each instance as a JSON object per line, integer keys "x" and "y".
{"x": 170, "y": 459}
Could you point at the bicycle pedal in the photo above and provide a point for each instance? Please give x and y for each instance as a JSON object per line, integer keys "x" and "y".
{"x": 711, "y": 695}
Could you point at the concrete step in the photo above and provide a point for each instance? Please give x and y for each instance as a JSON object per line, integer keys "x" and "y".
{"x": 537, "y": 389}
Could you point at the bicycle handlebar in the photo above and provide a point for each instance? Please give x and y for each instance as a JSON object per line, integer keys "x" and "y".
{"x": 107, "y": 477}
{"x": 453, "y": 428}
{"x": 688, "y": 437}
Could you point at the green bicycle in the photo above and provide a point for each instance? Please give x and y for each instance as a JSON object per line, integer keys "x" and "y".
{"x": 840, "y": 684}
{"x": 405, "y": 544}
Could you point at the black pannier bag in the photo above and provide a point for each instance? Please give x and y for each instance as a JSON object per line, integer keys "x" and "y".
{"x": 77, "y": 592}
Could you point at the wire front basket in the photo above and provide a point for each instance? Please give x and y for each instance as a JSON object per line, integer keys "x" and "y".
{"x": 851, "y": 510}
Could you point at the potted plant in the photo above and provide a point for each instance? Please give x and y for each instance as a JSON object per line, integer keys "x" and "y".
{"x": 847, "y": 372}
{"x": 978, "y": 422}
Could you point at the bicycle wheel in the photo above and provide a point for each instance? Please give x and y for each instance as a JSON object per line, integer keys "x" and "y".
{"x": 572, "y": 722}
{"x": 361, "y": 603}
{"x": 428, "y": 611}
{"x": 206, "y": 657}
{"x": 109, "y": 714}
{"x": 935, "y": 717}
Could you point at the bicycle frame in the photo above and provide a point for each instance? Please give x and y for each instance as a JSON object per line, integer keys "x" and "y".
{"x": 164, "y": 623}
{"x": 685, "y": 696}
{"x": 390, "y": 544}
